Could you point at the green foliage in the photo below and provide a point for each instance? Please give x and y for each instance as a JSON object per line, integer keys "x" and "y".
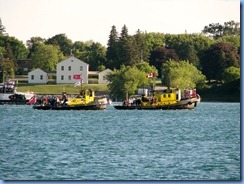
{"x": 63, "y": 42}
{"x": 45, "y": 57}
{"x": 33, "y": 43}
{"x": 2, "y": 28}
{"x": 231, "y": 74}
{"x": 217, "y": 58}
{"x": 128, "y": 79}
{"x": 160, "y": 55}
{"x": 181, "y": 75}
{"x": 14, "y": 48}
{"x": 101, "y": 68}
{"x": 217, "y": 30}
{"x": 6, "y": 69}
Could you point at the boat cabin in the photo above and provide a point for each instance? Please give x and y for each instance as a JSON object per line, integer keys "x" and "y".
{"x": 85, "y": 97}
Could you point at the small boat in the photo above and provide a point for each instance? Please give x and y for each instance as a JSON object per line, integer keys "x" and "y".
{"x": 86, "y": 100}
{"x": 10, "y": 95}
{"x": 162, "y": 100}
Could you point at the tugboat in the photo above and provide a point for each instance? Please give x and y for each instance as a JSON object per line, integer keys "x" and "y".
{"x": 9, "y": 94}
{"x": 86, "y": 100}
{"x": 163, "y": 100}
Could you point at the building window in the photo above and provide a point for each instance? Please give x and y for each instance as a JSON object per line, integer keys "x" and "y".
{"x": 104, "y": 77}
{"x": 32, "y": 77}
{"x": 25, "y": 69}
{"x": 69, "y": 68}
{"x": 69, "y": 77}
{"x": 62, "y": 77}
{"x": 81, "y": 68}
{"x": 62, "y": 68}
{"x": 41, "y": 77}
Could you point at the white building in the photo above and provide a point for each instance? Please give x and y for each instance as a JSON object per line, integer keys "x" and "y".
{"x": 37, "y": 76}
{"x": 72, "y": 70}
{"x": 102, "y": 76}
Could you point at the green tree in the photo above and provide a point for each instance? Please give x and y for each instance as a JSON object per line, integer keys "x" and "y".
{"x": 97, "y": 55}
{"x": 217, "y": 30}
{"x": 217, "y": 58}
{"x": 181, "y": 75}
{"x": 7, "y": 69}
{"x": 231, "y": 74}
{"x": 45, "y": 57}
{"x": 128, "y": 79}
{"x": 15, "y": 49}
{"x": 2, "y": 28}
{"x": 112, "y": 49}
{"x": 161, "y": 55}
{"x": 33, "y": 43}
{"x": 63, "y": 42}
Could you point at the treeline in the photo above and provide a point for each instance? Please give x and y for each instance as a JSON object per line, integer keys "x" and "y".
{"x": 215, "y": 51}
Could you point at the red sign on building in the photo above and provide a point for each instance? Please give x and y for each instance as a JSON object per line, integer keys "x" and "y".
{"x": 76, "y": 76}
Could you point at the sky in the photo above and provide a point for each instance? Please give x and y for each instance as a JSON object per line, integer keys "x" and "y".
{"x": 84, "y": 20}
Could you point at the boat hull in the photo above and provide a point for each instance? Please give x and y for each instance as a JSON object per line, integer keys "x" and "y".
{"x": 181, "y": 105}
{"x": 66, "y": 107}
{"x": 13, "y": 102}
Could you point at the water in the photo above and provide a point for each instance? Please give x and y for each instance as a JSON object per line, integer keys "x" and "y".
{"x": 199, "y": 144}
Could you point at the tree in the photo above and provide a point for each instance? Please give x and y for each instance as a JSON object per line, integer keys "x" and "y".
{"x": 181, "y": 75}
{"x": 112, "y": 49}
{"x": 7, "y": 69}
{"x": 217, "y": 30}
{"x": 217, "y": 58}
{"x": 33, "y": 43}
{"x": 45, "y": 57}
{"x": 63, "y": 42}
{"x": 2, "y": 28}
{"x": 128, "y": 79}
{"x": 96, "y": 56}
{"x": 231, "y": 74}
{"x": 161, "y": 55}
{"x": 15, "y": 49}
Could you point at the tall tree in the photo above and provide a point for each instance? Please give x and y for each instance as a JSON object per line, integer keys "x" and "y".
{"x": 16, "y": 49}
{"x": 33, "y": 43}
{"x": 128, "y": 48}
{"x": 96, "y": 56}
{"x": 45, "y": 57}
{"x": 2, "y": 28}
{"x": 112, "y": 49}
{"x": 217, "y": 58}
{"x": 161, "y": 55}
{"x": 63, "y": 42}
{"x": 217, "y": 30}
{"x": 142, "y": 46}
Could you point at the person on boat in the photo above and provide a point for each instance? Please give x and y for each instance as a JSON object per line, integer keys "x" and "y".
{"x": 64, "y": 99}
{"x": 144, "y": 98}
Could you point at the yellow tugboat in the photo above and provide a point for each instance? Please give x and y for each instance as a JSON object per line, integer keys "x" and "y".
{"x": 163, "y": 99}
{"x": 86, "y": 100}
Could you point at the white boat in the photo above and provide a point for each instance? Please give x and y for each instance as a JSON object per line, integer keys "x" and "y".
{"x": 10, "y": 95}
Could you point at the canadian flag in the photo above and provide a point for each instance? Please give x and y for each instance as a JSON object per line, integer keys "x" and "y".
{"x": 151, "y": 75}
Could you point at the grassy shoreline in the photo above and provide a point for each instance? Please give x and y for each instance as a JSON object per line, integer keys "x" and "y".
{"x": 225, "y": 93}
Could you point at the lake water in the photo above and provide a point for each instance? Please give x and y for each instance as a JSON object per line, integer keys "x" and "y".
{"x": 199, "y": 144}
